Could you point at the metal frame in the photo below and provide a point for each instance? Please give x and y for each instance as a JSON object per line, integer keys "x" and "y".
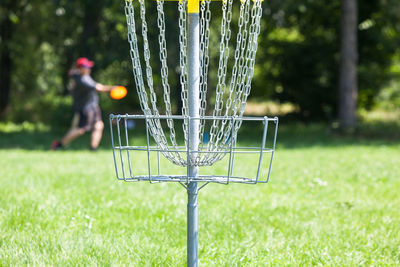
{"x": 123, "y": 167}
{"x": 192, "y": 177}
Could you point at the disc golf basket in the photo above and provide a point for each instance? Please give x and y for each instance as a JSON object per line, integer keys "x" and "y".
{"x": 198, "y": 139}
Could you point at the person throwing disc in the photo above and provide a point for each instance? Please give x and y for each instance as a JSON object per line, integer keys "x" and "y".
{"x": 86, "y": 104}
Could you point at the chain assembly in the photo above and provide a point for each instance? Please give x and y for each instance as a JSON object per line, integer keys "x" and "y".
{"x": 232, "y": 88}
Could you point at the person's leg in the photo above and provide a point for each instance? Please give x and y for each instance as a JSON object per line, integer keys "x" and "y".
{"x": 77, "y": 129}
{"x": 96, "y": 134}
{"x": 98, "y": 127}
{"x": 71, "y": 135}
{"x": 75, "y": 121}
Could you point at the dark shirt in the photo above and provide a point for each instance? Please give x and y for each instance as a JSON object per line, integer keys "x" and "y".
{"x": 84, "y": 92}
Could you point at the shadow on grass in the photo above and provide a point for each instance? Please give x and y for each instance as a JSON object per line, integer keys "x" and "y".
{"x": 290, "y": 135}
{"x": 41, "y": 139}
{"x": 302, "y": 135}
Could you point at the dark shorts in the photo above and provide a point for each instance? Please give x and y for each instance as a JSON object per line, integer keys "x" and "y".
{"x": 88, "y": 117}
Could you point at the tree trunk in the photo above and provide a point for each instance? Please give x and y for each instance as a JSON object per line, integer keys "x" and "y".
{"x": 348, "y": 65}
{"x": 6, "y": 28}
{"x": 91, "y": 26}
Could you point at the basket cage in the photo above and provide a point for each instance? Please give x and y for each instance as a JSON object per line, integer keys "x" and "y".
{"x": 137, "y": 156}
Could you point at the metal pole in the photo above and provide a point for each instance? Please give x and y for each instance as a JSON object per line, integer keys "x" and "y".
{"x": 194, "y": 107}
{"x": 192, "y": 226}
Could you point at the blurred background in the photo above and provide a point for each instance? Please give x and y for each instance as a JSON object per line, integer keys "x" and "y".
{"x": 329, "y": 69}
{"x": 302, "y": 71}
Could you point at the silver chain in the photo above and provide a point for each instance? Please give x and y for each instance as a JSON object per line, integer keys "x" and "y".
{"x": 182, "y": 6}
{"x": 222, "y": 69}
{"x": 239, "y": 86}
{"x": 241, "y": 40}
{"x": 154, "y": 124}
{"x": 164, "y": 75}
{"x": 256, "y": 14}
{"x": 235, "y": 88}
{"x": 244, "y": 69}
{"x": 205, "y": 18}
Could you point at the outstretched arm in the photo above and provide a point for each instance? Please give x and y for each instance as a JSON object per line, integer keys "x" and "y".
{"x": 104, "y": 88}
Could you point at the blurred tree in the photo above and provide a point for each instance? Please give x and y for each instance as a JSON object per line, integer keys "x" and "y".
{"x": 378, "y": 47}
{"x": 348, "y": 64}
{"x": 297, "y": 60}
{"x": 9, "y": 16}
{"x": 298, "y": 57}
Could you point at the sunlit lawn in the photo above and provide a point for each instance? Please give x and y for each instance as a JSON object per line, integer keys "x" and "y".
{"x": 331, "y": 201}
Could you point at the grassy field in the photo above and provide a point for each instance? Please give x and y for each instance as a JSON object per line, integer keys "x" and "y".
{"x": 331, "y": 201}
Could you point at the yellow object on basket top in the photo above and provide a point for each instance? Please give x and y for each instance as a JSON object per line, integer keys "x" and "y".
{"x": 194, "y": 5}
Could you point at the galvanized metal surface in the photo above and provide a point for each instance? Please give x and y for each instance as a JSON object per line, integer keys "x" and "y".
{"x": 193, "y": 138}
{"x": 125, "y": 154}
{"x": 231, "y": 95}
{"x": 206, "y": 139}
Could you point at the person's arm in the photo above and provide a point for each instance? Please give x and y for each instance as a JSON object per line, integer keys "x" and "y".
{"x": 104, "y": 88}
{"x": 73, "y": 71}
{"x": 90, "y": 83}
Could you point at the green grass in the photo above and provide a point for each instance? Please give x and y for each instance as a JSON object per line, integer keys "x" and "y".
{"x": 331, "y": 201}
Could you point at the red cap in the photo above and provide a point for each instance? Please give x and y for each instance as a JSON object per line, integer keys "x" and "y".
{"x": 84, "y": 62}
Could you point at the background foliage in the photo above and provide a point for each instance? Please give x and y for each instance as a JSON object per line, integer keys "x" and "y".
{"x": 297, "y": 60}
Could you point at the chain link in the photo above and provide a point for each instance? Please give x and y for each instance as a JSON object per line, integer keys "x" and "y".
{"x": 224, "y": 132}
{"x": 182, "y": 7}
{"x": 222, "y": 69}
{"x": 222, "y": 135}
{"x": 154, "y": 124}
{"x": 244, "y": 71}
{"x": 256, "y": 14}
{"x": 205, "y": 18}
{"x": 164, "y": 74}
